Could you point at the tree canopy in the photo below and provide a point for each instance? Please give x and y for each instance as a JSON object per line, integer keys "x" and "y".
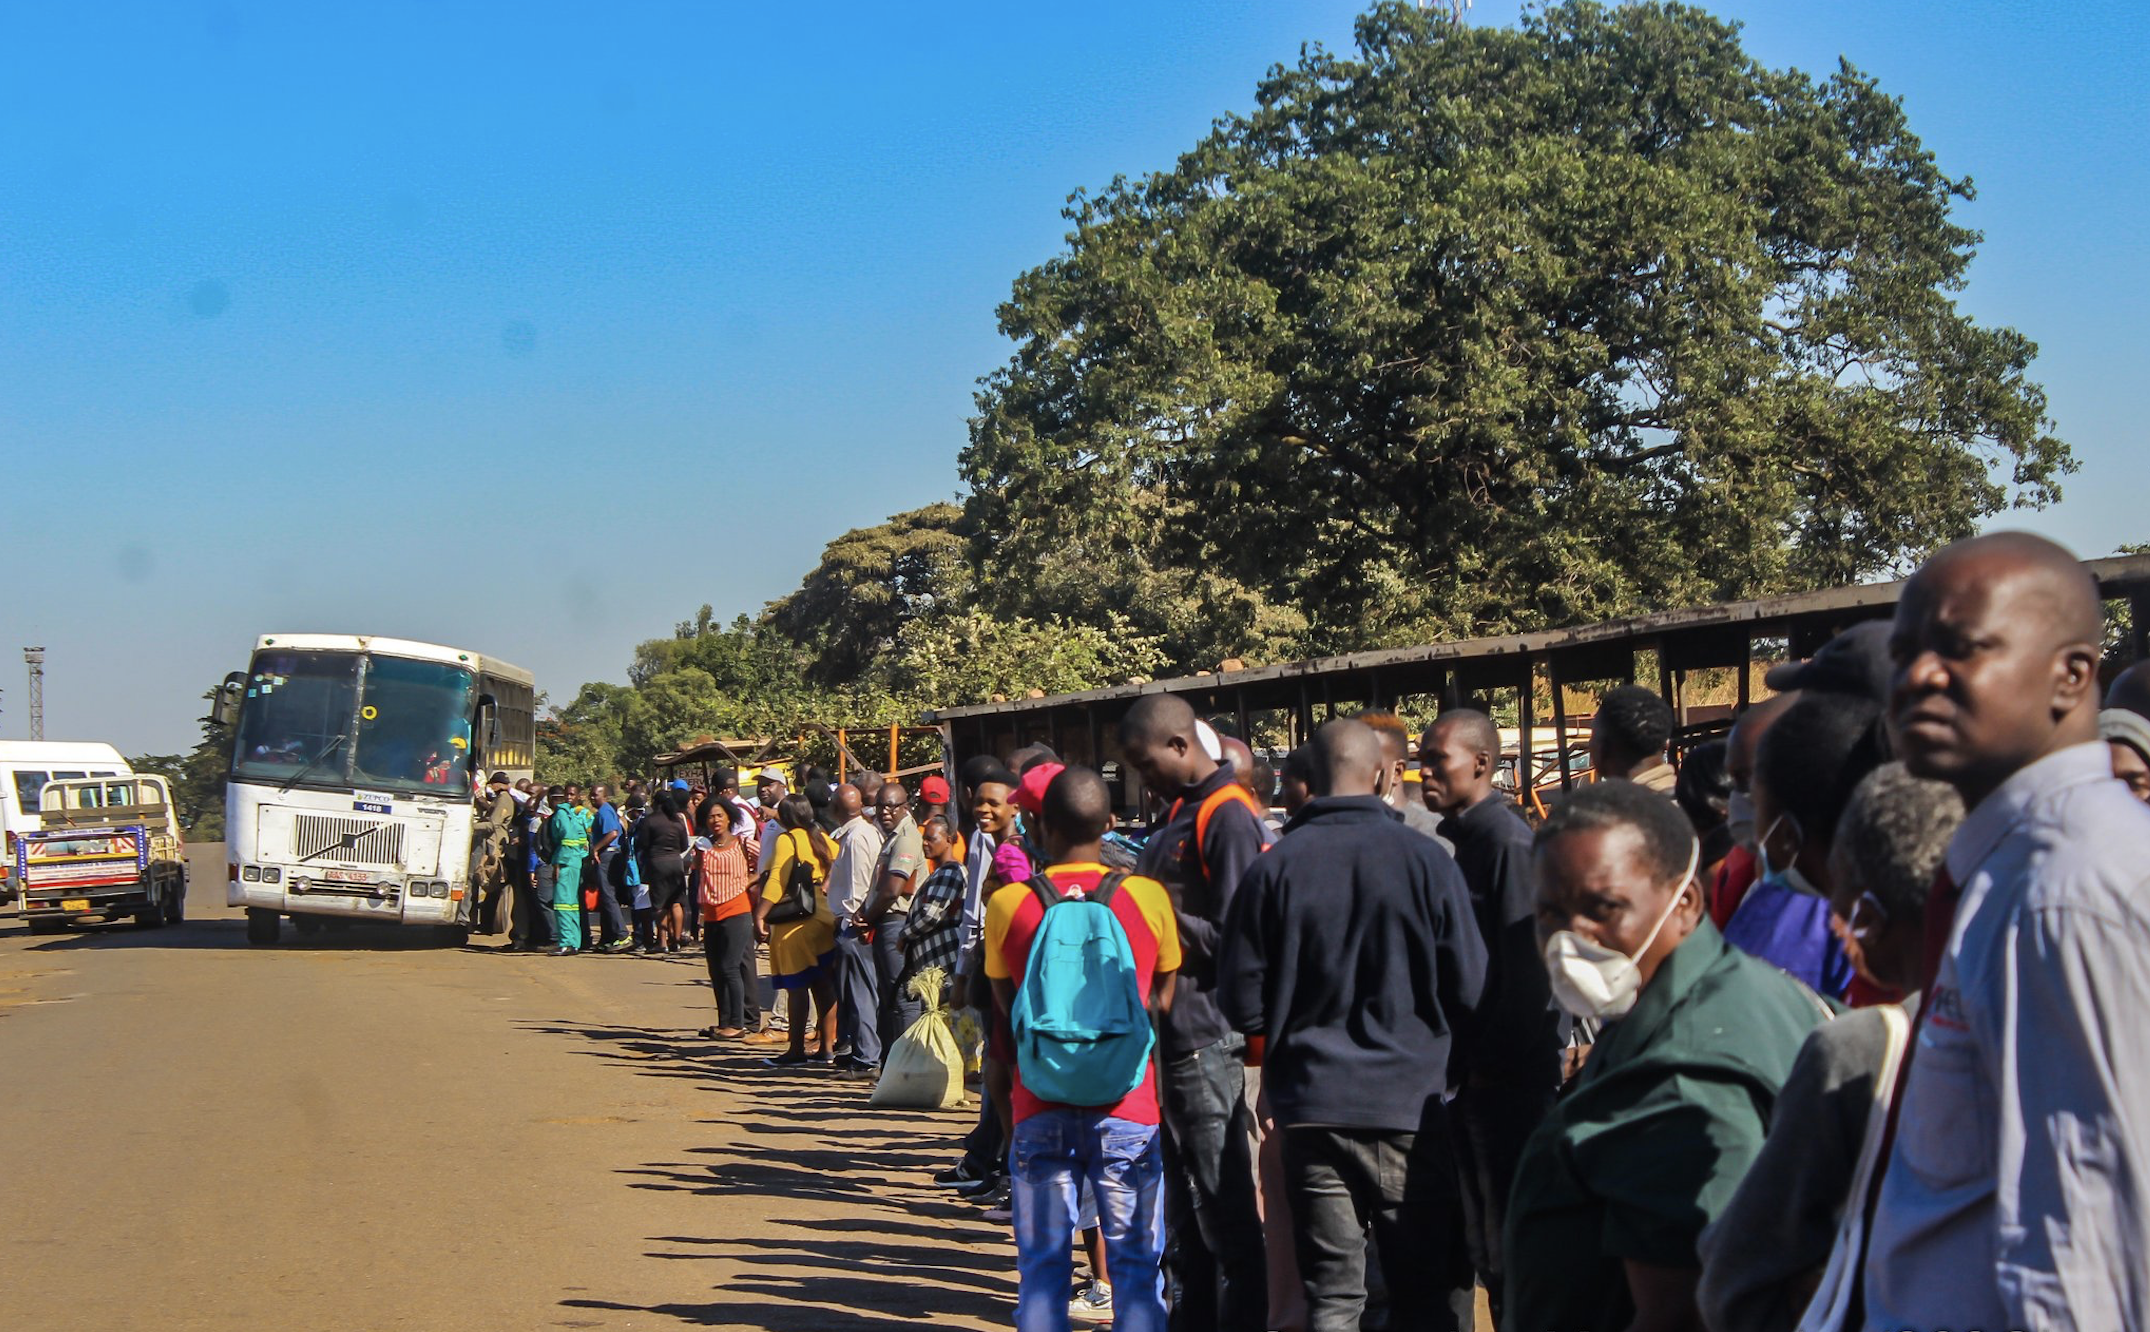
{"x": 1476, "y": 330}
{"x": 1492, "y": 329}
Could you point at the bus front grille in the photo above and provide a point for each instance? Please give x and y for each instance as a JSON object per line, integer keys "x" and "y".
{"x": 351, "y": 841}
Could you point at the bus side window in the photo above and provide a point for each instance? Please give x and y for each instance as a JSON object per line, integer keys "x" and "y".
{"x": 27, "y": 785}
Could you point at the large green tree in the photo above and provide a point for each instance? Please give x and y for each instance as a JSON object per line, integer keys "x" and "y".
{"x": 1491, "y": 329}
{"x": 870, "y": 583}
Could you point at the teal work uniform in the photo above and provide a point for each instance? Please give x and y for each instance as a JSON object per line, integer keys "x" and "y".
{"x": 1647, "y": 1144}
{"x": 571, "y": 842}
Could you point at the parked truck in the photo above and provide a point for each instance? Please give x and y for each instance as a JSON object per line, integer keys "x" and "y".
{"x": 106, "y": 848}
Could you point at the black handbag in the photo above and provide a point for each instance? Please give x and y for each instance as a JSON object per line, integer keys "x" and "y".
{"x": 801, "y": 899}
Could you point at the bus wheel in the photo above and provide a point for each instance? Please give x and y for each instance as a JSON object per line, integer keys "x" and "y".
{"x": 261, "y": 925}
{"x": 306, "y": 925}
{"x": 455, "y": 936}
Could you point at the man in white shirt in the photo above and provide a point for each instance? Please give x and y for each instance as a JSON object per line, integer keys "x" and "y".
{"x": 2017, "y": 1191}
{"x": 770, "y": 789}
{"x": 851, "y": 881}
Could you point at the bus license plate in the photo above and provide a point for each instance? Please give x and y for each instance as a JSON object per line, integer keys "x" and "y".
{"x": 344, "y": 876}
{"x": 74, "y": 904}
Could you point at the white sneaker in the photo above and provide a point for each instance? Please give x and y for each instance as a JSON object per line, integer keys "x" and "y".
{"x": 1094, "y": 1300}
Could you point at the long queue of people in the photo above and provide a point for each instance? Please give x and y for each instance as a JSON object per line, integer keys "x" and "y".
{"x": 844, "y": 903}
{"x": 1832, "y": 1025}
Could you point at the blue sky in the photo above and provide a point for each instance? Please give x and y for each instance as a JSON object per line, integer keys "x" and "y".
{"x": 533, "y": 327}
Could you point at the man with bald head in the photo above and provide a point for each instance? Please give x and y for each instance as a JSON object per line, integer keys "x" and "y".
{"x": 1515, "y": 1065}
{"x": 1210, "y": 834}
{"x": 851, "y": 881}
{"x": 1350, "y": 952}
{"x": 2017, "y": 1190}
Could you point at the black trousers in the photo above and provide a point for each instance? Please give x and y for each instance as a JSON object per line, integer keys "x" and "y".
{"x": 724, "y": 943}
{"x": 1216, "y": 1268}
{"x": 1402, "y": 1187}
{"x": 750, "y": 978}
{"x": 1490, "y": 1125}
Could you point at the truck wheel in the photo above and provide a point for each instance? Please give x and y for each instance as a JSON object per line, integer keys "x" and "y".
{"x": 150, "y": 917}
{"x": 175, "y": 906}
{"x": 48, "y": 927}
{"x": 262, "y": 925}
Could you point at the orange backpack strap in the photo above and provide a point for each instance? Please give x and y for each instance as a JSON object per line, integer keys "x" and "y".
{"x": 1217, "y": 800}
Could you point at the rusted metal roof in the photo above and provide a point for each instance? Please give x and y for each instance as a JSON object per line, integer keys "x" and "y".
{"x": 1508, "y": 657}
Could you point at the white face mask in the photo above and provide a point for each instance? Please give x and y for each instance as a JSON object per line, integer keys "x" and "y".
{"x": 1591, "y": 980}
{"x": 1739, "y": 818}
{"x": 1787, "y": 874}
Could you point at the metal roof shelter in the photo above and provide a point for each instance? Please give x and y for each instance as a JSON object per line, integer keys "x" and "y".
{"x": 1080, "y": 726}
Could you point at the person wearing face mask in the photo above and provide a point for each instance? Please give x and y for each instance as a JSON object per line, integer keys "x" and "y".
{"x": 1787, "y": 1236}
{"x": 1741, "y": 865}
{"x": 1810, "y": 762}
{"x": 1649, "y": 1140}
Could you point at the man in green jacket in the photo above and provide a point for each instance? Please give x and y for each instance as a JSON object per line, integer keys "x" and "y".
{"x": 1652, "y": 1137}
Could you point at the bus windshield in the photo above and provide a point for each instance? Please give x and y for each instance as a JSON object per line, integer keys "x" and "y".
{"x": 345, "y": 719}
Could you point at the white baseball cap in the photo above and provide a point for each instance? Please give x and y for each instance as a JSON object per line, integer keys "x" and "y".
{"x": 1211, "y": 745}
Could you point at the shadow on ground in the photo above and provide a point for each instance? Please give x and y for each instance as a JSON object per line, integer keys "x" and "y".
{"x": 358, "y": 937}
{"x": 849, "y": 1232}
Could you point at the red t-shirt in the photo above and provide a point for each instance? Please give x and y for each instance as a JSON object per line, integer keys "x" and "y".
{"x": 1144, "y": 909}
{"x": 1733, "y": 880}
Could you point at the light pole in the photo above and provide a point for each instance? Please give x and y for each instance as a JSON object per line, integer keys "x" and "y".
{"x": 35, "y": 656}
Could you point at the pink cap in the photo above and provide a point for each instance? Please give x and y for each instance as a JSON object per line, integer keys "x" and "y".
{"x": 1030, "y": 796}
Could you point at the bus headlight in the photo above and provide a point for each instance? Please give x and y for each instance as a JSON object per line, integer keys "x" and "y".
{"x": 439, "y": 889}
{"x": 252, "y": 874}
{"x": 272, "y": 875}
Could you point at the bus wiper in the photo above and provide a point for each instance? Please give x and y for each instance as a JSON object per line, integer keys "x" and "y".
{"x": 311, "y": 764}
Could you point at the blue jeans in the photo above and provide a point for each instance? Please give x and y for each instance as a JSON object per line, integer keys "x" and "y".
{"x": 1054, "y": 1150}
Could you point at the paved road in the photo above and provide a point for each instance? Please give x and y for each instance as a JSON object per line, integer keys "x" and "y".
{"x": 359, "y": 1131}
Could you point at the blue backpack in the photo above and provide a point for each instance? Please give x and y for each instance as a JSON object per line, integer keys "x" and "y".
{"x": 1082, "y": 1036}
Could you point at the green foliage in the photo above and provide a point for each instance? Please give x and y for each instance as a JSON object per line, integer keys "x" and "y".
{"x": 871, "y": 582}
{"x": 1480, "y": 330}
{"x": 969, "y": 657}
{"x": 197, "y": 780}
{"x": 1495, "y": 329}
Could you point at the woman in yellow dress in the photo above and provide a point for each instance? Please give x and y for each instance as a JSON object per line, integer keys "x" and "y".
{"x": 802, "y": 952}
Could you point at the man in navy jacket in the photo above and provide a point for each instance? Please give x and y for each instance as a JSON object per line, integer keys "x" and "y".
{"x": 1351, "y": 952}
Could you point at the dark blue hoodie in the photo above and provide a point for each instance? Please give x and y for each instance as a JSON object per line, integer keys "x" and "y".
{"x": 1350, "y": 946}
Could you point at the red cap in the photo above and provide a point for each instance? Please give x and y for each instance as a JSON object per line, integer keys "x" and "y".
{"x": 934, "y": 790}
{"x": 1030, "y": 796}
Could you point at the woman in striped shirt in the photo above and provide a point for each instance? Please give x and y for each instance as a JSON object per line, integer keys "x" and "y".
{"x": 721, "y": 880}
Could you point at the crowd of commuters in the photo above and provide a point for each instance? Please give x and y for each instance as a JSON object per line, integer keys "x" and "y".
{"x": 1824, "y": 1025}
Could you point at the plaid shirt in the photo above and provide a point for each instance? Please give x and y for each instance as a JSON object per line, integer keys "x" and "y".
{"x": 934, "y": 935}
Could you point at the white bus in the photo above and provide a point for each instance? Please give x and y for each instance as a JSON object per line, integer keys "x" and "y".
{"x": 354, "y": 761}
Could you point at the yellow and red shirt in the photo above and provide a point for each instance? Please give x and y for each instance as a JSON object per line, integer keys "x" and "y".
{"x": 1144, "y": 910}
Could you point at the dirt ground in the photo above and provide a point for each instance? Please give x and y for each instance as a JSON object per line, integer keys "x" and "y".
{"x": 366, "y": 1130}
